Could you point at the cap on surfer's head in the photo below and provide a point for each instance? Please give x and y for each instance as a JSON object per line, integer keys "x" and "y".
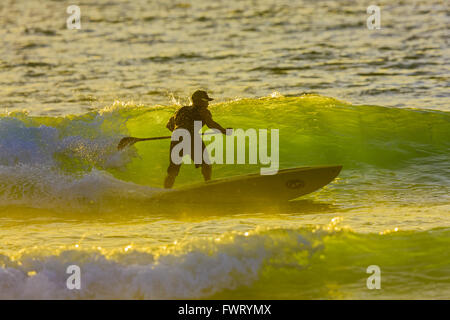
{"x": 200, "y": 95}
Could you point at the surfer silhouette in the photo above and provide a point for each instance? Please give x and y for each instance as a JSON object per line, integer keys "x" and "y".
{"x": 185, "y": 118}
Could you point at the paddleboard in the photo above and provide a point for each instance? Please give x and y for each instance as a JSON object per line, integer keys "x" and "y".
{"x": 287, "y": 184}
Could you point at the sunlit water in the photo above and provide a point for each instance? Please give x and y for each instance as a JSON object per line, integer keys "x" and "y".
{"x": 151, "y": 51}
{"x": 68, "y": 197}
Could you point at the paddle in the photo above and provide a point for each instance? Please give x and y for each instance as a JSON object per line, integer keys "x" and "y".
{"x": 129, "y": 141}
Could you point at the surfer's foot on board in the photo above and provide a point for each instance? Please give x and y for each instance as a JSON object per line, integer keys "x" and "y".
{"x": 207, "y": 172}
{"x": 169, "y": 181}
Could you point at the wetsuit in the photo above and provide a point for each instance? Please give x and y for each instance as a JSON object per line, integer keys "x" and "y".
{"x": 184, "y": 118}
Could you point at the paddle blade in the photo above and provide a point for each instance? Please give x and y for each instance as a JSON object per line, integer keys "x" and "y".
{"x": 126, "y": 142}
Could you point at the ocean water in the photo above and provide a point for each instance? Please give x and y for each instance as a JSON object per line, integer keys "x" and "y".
{"x": 374, "y": 101}
{"x": 69, "y": 197}
{"x": 153, "y": 52}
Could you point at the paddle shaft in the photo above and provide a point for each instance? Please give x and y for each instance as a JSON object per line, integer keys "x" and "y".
{"x": 168, "y": 137}
{"x": 129, "y": 141}
{"x": 154, "y": 138}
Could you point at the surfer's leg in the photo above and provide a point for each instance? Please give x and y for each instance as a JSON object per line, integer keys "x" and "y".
{"x": 206, "y": 164}
{"x": 207, "y": 171}
{"x": 169, "y": 181}
{"x": 206, "y": 167}
{"x": 172, "y": 170}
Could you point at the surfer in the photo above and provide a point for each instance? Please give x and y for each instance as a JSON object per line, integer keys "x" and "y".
{"x": 184, "y": 118}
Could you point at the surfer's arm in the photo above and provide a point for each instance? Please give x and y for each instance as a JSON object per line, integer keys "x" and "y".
{"x": 214, "y": 125}
{"x": 208, "y": 120}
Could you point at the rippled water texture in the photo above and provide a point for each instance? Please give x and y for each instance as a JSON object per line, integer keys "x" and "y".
{"x": 67, "y": 196}
{"x": 374, "y": 101}
{"x": 150, "y": 52}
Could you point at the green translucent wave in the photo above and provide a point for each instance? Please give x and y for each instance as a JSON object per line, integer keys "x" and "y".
{"x": 314, "y": 130}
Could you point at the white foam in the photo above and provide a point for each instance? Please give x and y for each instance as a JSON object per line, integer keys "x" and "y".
{"x": 194, "y": 270}
{"x": 43, "y": 187}
{"x": 63, "y": 166}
